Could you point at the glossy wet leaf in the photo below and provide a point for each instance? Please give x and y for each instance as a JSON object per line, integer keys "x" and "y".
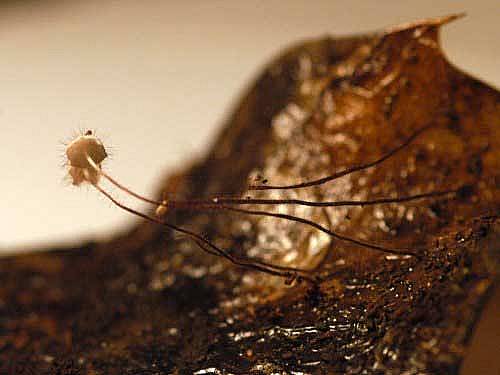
{"x": 149, "y": 302}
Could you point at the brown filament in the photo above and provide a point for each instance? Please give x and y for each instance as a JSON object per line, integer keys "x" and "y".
{"x": 211, "y": 248}
{"x": 345, "y": 172}
{"x": 224, "y": 204}
{"x": 228, "y": 204}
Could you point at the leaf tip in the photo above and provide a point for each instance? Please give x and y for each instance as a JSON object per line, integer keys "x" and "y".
{"x": 435, "y": 22}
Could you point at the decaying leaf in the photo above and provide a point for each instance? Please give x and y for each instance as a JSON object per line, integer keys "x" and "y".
{"x": 151, "y": 303}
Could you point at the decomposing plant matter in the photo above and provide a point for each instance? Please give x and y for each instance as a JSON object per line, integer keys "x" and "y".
{"x": 148, "y": 301}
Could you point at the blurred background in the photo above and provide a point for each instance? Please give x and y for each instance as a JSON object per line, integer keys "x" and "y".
{"x": 155, "y": 79}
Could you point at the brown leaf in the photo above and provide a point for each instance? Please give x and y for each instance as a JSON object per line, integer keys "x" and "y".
{"x": 148, "y": 302}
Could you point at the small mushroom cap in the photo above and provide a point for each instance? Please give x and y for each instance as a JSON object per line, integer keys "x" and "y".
{"x": 83, "y": 146}
{"x": 161, "y": 210}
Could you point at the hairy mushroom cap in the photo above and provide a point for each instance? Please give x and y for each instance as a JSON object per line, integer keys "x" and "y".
{"x": 79, "y": 151}
{"x": 84, "y": 147}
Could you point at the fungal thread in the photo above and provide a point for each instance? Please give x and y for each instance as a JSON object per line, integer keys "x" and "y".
{"x": 86, "y": 153}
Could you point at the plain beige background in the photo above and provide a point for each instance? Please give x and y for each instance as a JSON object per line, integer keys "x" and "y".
{"x": 155, "y": 79}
